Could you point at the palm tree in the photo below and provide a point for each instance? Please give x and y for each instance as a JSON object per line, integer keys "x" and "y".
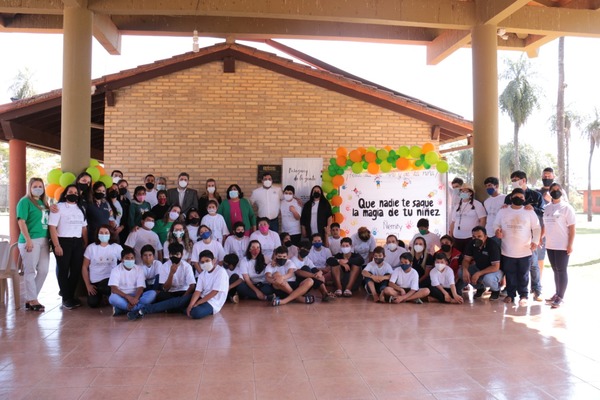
{"x": 461, "y": 164}
{"x": 571, "y": 118}
{"x": 531, "y": 162}
{"x": 519, "y": 98}
{"x": 22, "y": 86}
{"x": 592, "y": 133}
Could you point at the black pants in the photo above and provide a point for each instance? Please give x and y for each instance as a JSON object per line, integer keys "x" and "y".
{"x": 438, "y": 295}
{"x": 559, "y": 260}
{"x": 316, "y": 283}
{"x": 102, "y": 289}
{"x": 233, "y": 278}
{"x": 68, "y": 266}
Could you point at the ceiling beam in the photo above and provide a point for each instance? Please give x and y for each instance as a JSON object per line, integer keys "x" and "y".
{"x": 31, "y": 7}
{"x": 494, "y": 11}
{"x": 554, "y": 21}
{"x": 32, "y": 23}
{"x": 107, "y": 34}
{"x": 445, "y": 44}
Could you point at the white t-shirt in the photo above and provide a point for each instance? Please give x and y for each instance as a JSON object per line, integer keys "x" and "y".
{"x": 393, "y": 257}
{"x": 289, "y": 223}
{"x": 267, "y": 201}
{"x": 234, "y": 271}
{"x": 432, "y": 240}
{"x": 444, "y": 278}
{"x": 217, "y": 280}
{"x": 405, "y": 280}
{"x": 314, "y": 228}
{"x": 215, "y": 247}
{"x": 186, "y": 254}
{"x": 69, "y": 220}
{"x": 128, "y": 281}
{"x": 319, "y": 257}
{"x": 518, "y": 228}
{"x": 217, "y": 225}
{"x": 151, "y": 197}
{"x": 466, "y": 218}
{"x": 492, "y": 206}
{"x": 304, "y": 262}
{"x": 374, "y": 269}
{"x": 182, "y": 278}
{"x": 363, "y": 248}
{"x": 282, "y": 270}
{"x": 557, "y": 219}
{"x": 247, "y": 267}
{"x": 102, "y": 260}
{"x": 268, "y": 242}
{"x": 193, "y": 232}
{"x": 335, "y": 244}
{"x": 151, "y": 271}
{"x": 139, "y": 239}
{"x": 233, "y": 245}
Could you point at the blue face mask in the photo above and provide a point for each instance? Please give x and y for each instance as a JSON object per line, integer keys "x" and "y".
{"x": 490, "y": 191}
{"x": 205, "y": 235}
{"x": 317, "y": 245}
{"x": 405, "y": 267}
{"x": 128, "y": 263}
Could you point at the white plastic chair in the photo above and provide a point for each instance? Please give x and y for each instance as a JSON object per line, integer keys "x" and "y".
{"x": 9, "y": 270}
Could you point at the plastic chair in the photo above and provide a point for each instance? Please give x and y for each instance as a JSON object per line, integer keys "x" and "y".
{"x": 10, "y": 259}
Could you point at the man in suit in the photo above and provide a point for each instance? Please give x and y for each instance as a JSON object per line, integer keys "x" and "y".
{"x": 183, "y": 196}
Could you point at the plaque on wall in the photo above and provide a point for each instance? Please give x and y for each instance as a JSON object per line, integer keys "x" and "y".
{"x": 274, "y": 170}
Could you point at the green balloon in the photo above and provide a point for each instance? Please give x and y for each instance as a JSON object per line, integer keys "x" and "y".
{"x": 107, "y": 180}
{"x": 54, "y": 176}
{"x": 442, "y": 166}
{"x": 365, "y": 165}
{"x": 95, "y": 174}
{"x": 418, "y": 163}
{"x": 340, "y": 170}
{"x": 66, "y": 179}
{"x": 415, "y": 152}
{"x": 390, "y": 159}
{"x": 327, "y": 187}
{"x": 393, "y": 153}
{"x": 332, "y": 161}
{"x": 386, "y": 166}
{"x": 334, "y": 192}
{"x": 404, "y": 151}
{"x": 427, "y": 166}
{"x": 431, "y": 158}
{"x": 332, "y": 170}
{"x": 335, "y": 210}
{"x": 383, "y": 154}
{"x": 357, "y": 168}
{"x": 326, "y": 176}
{"x": 349, "y": 162}
{"x": 329, "y": 196}
{"x": 93, "y": 162}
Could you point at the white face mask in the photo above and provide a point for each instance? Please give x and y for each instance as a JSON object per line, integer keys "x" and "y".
{"x": 267, "y": 183}
{"x": 418, "y": 248}
{"x": 183, "y": 184}
{"x": 440, "y": 266}
{"x": 37, "y": 191}
{"x": 173, "y": 215}
{"x": 178, "y": 234}
{"x": 149, "y": 225}
{"x": 211, "y": 189}
{"x": 207, "y": 266}
{"x": 288, "y": 197}
{"x": 212, "y": 211}
{"x": 129, "y": 264}
{"x": 116, "y": 180}
{"x": 392, "y": 246}
{"x": 161, "y": 187}
{"x": 346, "y": 250}
{"x": 103, "y": 238}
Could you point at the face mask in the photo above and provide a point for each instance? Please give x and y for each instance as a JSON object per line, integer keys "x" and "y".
{"x": 233, "y": 194}
{"x": 178, "y": 234}
{"x": 316, "y": 195}
{"x": 104, "y": 238}
{"x": 440, "y": 266}
{"x": 173, "y": 215}
{"x": 477, "y": 242}
{"x": 392, "y": 246}
{"x": 129, "y": 264}
{"x": 175, "y": 260}
{"x": 239, "y": 234}
{"x": 211, "y": 189}
{"x": 456, "y": 190}
{"x": 517, "y": 201}
{"x": 405, "y": 267}
{"x": 418, "y": 248}
{"x": 317, "y": 245}
{"x": 212, "y": 211}
{"x": 378, "y": 260}
{"x": 99, "y": 195}
{"x": 303, "y": 253}
{"x": 464, "y": 195}
{"x": 446, "y": 248}
{"x": 207, "y": 266}
{"x": 37, "y": 192}
{"x": 254, "y": 252}
{"x": 83, "y": 187}
{"x": 162, "y": 201}
{"x": 183, "y": 184}
{"x": 161, "y": 187}
{"x": 141, "y": 199}
{"x": 555, "y": 194}
{"x": 490, "y": 191}
{"x": 149, "y": 225}
{"x": 423, "y": 231}
{"x": 72, "y": 198}
{"x": 194, "y": 221}
{"x": 267, "y": 183}
{"x": 116, "y": 180}
{"x": 288, "y": 197}
{"x": 288, "y": 243}
{"x": 263, "y": 229}
{"x": 205, "y": 235}
{"x": 547, "y": 182}
{"x": 516, "y": 184}
{"x": 345, "y": 250}
{"x": 112, "y": 194}
{"x": 122, "y": 191}
{"x": 149, "y": 185}
{"x": 281, "y": 261}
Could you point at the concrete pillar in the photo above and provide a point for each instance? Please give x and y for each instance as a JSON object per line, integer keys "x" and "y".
{"x": 75, "y": 139}
{"x": 486, "y": 149}
{"x": 17, "y": 162}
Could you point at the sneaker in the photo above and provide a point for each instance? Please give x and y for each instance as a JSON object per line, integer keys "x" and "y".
{"x": 495, "y": 295}
{"x": 69, "y": 305}
{"x": 537, "y": 296}
{"x": 418, "y": 301}
{"x": 118, "y": 311}
{"x": 76, "y": 302}
{"x": 133, "y": 315}
{"x": 504, "y": 292}
{"x": 523, "y": 301}
{"x": 551, "y": 299}
{"x": 479, "y": 293}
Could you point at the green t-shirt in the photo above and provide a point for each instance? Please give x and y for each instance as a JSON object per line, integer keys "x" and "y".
{"x": 161, "y": 228}
{"x": 35, "y": 219}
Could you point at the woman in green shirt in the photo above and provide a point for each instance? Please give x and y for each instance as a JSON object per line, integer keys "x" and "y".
{"x": 32, "y": 217}
{"x": 162, "y": 226}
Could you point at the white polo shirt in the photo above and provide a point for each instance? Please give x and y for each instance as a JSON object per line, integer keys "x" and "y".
{"x": 267, "y": 201}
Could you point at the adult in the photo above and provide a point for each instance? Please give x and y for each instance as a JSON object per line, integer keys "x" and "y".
{"x": 125, "y": 201}
{"x": 151, "y": 191}
{"x": 481, "y": 264}
{"x": 68, "y": 231}
{"x": 162, "y": 207}
{"x": 559, "y": 222}
{"x": 178, "y": 233}
{"x": 84, "y": 187}
{"x": 468, "y": 213}
{"x": 493, "y": 203}
{"x": 182, "y": 195}
{"x": 163, "y": 225}
{"x": 237, "y": 208}
{"x": 290, "y": 214}
{"x": 454, "y": 194}
{"x": 364, "y": 243}
{"x": 252, "y": 268}
{"x": 269, "y": 240}
{"x": 112, "y": 197}
{"x": 267, "y": 199}
{"x": 211, "y": 193}
{"x": 138, "y": 207}
{"x": 32, "y": 217}
{"x": 316, "y": 215}
{"x": 393, "y": 251}
{"x": 98, "y": 212}
{"x": 116, "y": 176}
{"x": 161, "y": 184}
{"x": 422, "y": 261}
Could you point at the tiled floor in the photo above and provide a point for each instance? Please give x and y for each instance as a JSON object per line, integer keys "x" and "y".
{"x": 349, "y": 349}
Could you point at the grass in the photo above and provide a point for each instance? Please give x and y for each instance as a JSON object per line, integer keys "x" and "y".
{"x": 587, "y": 231}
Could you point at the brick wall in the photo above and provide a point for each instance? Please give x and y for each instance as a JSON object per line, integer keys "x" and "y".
{"x": 217, "y": 125}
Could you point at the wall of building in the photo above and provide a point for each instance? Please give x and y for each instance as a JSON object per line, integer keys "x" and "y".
{"x": 217, "y": 125}
{"x": 595, "y": 201}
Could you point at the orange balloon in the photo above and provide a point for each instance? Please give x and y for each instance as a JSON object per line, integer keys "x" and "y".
{"x": 402, "y": 164}
{"x": 58, "y": 192}
{"x": 341, "y": 152}
{"x": 355, "y": 156}
{"x": 102, "y": 171}
{"x": 373, "y": 168}
{"x": 336, "y": 201}
{"x": 427, "y": 147}
{"x": 337, "y": 180}
{"x": 388, "y": 148}
{"x": 338, "y": 217}
{"x": 341, "y": 161}
{"x": 342, "y": 233}
{"x": 51, "y": 188}
{"x": 370, "y": 157}
{"x": 362, "y": 150}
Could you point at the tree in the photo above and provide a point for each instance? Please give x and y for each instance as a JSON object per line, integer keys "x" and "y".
{"x": 519, "y": 98}
{"x": 530, "y": 161}
{"x": 22, "y": 86}
{"x": 461, "y": 164}
{"x": 592, "y": 133}
{"x": 571, "y": 118}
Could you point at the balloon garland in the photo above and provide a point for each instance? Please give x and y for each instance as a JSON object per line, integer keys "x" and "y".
{"x": 375, "y": 161}
{"x": 59, "y": 180}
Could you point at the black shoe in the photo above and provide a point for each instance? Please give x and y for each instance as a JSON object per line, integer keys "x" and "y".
{"x": 479, "y": 293}
{"x": 133, "y": 315}
{"x": 495, "y": 295}
{"x": 76, "y": 302}
{"x": 69, "y": 304}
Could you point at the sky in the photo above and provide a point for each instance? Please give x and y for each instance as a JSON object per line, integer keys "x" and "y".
{"x": 400, "y": 67}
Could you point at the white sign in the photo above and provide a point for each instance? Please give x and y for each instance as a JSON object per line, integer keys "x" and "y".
{"x": 302, "y": 174}
{"x": 393, "y": 202}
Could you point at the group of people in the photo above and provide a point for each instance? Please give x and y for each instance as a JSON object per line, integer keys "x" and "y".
{"x": 159, "y": 249}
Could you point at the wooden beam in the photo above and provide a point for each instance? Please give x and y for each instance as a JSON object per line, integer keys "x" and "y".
{"x": 7, "y": 129}
{"x": 107, "y": 34}
{"x": 445, "y": 44}
{"x": 28, "y": 23}
{"x": 435, "y": 132}
{"x": 494, "y": 11}
{"x": 31, "y": 7}
{"x": 554, "y": 21}
{"x": 229, "y": 65}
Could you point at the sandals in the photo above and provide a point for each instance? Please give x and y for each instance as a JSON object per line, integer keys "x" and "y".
{"x": 309, "y": 299}
{"x": 508, "y": 300}
{"x": 392, "y": 299}
{"x": 347, "y": 293}
{"x": 338, "y": 293}
{"x": 35, "y": 307}
{"x": 276, "y": 301}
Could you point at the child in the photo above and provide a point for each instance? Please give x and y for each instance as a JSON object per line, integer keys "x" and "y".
{"x": 211, "y": 289}
{"x": 286, "y": 240}
{"x": 335, "y": 238}
{"x": 230, "y": 263}
{"x": 237, "y": 242}
{"x": 442, "y": 287}
{"x": 377, "y": 274}
{"x": 306, "y": 269}
{"x": 215, "y": 221}
{"x": 281, "y": 274}
{"x": 205, "y": 242}
{"x": 394, "y": 250}
{"x": 404, "y": 284}
{"x": 127, "y": 285}
{"x": 318, "y": 253}
{"x": 291, "y": 208}
{"x": 432, "y": 240}
{"x": 346, "y": 265}
{"x": 139, "y": 237}
{"x": 150, "y": 267}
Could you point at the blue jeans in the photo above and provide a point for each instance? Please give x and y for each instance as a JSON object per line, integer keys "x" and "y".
{"x": 491, "y": 280}
{"x": 534, "y": 270}
{"x": 121, "y": 304}
{"x": 178, "y": 303}
{"x": 517, "y": 275}
{"x": 201, "y": 311}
